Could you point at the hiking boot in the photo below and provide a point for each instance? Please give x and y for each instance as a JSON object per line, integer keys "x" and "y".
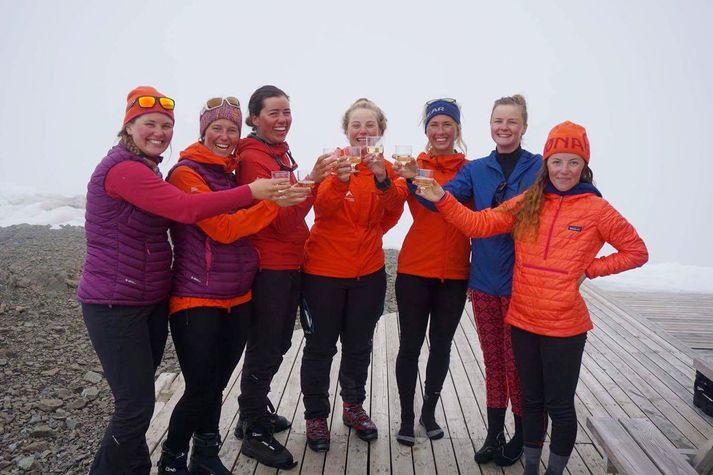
{"x": 204, "y": 458}
{"x": 172, "y": 463}
{"x": 318, "y": 434}
{"x": 490, "y": 447}
{"x": 279, "y": 423}
{"x": 354, "y": 416}
{"x": 260, "y": 445}
{"x": 510, "y": 453}
{"x": 495, "y": 437}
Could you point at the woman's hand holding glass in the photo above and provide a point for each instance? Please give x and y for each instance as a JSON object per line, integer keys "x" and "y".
{"x": 269, "y": 188}
{"x": 375, "y": 163}
{"x": 432, "y": 191}
{"x": 343, "y": 169}
{"x": 405, "y": 169}
{"x": 323, "y": 166}
{"x": 293, "y": 195}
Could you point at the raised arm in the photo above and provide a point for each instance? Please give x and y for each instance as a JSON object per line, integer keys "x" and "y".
{"x": 137, "y": 184}
{"x": 227, "y": 227}
{"x": 477, "y": 224}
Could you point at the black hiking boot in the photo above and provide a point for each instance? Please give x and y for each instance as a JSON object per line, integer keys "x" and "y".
{"x": 279, "y": 423}
{"x": 204, "y": 458}
{"x": 260, "y": 445}
{"x": 495, "y": 438}
{"x": 172, "y": 463}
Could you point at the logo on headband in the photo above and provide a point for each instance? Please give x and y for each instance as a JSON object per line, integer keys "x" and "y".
{"x": 436, "y": 109}
{"x": 565, "y": 143}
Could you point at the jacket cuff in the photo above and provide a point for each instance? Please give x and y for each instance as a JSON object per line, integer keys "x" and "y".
{"x": 384, "y": 185}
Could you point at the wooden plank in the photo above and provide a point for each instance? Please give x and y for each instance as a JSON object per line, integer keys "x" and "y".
{"x": 657, "y": 447}
{"x": 624, "y": 453}
{"x": 401, "y": 455}
{"x": 703, "y": 460}
{"x": 380, "y": 449}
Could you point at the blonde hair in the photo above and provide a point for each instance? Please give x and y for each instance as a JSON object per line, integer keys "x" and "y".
{"x": 516, "y": 100}
{"x": 364, "y": 103}
{"x": 459, "y": 136}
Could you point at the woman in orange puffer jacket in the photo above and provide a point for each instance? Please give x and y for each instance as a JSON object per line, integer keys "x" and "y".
{"x": 559, "y": 225}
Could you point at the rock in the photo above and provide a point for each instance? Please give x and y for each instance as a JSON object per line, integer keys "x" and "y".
{"x": 92, "y": 377}
{"x": 49, "y": 405}
{"x": 3, "y": 361}
{"x": 71, "y": 423}
{"x": 42, "y": 431}
{"x": 65, "y": 393}
{"x": 50, "y": 372}
{"x": 35, "y": 418}
{"x": 77, "y": 404}
{"x": 26, "y": 463}
{"x": 90, "y": 393}
{"x": 37, "y": 446}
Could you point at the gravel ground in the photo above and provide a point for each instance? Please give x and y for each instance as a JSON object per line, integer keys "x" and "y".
{"x": 54, "y": 400}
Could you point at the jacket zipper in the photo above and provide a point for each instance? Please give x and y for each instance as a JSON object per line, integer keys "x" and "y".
{"x": 552, "y": 227}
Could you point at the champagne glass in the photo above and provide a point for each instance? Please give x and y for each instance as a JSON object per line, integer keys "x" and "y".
{"x": 423, "y": 179}
{"x": 374, "y": 145}
{"x": 304, "y": 180}
{"x": 403, "y": 154}
{"x": 353, "y": 154}
{"x": 283, "y": 176}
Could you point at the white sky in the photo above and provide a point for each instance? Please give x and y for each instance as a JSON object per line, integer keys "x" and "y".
{"x": 637, "y": 74}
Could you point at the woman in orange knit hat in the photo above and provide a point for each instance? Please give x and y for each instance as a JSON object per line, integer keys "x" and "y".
{"x": 344, "y": 281}
{"x": 559, "y": 225}
{"x": 432, "y": 276}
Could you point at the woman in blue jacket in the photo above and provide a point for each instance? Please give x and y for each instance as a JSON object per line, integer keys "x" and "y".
{"x": 486, "y": 182}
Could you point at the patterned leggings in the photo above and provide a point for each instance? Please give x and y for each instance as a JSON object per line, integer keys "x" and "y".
{"x": 501, "y": 380}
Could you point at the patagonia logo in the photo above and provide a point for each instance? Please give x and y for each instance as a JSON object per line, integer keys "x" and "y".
{"x": 577, "y": 229}
{"x": 349, "y": 196}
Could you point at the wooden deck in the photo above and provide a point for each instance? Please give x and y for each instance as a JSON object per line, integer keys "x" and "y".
{"x": 687, "y": 317}
{"x": 628, "y": 370}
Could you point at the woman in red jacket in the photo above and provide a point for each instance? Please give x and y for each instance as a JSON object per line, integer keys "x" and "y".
{"x": 276, "y": 290}
{"x": 344, "y": 281}
{"x": 559, "y": 225}
{"x": 432, "y": 276}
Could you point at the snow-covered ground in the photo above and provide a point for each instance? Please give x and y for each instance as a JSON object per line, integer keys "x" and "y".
{"x": 25, "y": 205}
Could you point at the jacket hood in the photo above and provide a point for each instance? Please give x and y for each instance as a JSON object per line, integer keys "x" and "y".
{"x": 445, "y": 163}
{"x": 253, "y": 142}
{"x": 578, "y": 189}
{"x": 199, "y": 153}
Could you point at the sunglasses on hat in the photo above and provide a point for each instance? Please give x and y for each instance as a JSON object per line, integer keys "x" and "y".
{"x": 442, "y": 99}
{"x": 216, "y": 102}
{"x": 147, "y": 102}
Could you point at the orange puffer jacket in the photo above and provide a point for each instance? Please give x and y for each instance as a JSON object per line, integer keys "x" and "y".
{"x": 432, "y": 248}
{"x": 350, "y": 220}
{"x": 573, "y": 228}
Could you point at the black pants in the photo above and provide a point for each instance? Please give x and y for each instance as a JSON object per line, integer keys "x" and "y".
{"x": 419, "y": 298}
{"x": 209, "y": 342}
{"x": 129, "y": 342}
{"x": 345, "y": 309}
{"x": 276, "y": 296}
{"x": 549, "y": 372}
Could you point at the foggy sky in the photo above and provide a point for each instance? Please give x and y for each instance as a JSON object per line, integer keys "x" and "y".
{"x": 636, "y": 74}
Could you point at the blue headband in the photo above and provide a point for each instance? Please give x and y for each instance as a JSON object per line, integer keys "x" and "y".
{"x": 440, "y": 107}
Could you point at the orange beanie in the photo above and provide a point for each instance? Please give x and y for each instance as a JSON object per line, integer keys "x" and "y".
{"x": 133, "y": 110}
{"x": 567, "y": 137}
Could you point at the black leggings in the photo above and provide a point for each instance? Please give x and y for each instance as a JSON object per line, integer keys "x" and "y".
{"x": 209, "y": 342}
{"x": 419, "y": 298}
{"x": 345, "y": 309}
{"x": 276, "y": 296}
{"x": 549, "y": 372}
{"x": 129, "y": 342}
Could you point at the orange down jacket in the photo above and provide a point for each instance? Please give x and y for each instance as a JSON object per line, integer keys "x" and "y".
{"x": 350, "y": 220}
{"x": 432, "y": 248}
{"x": 545, "y": 295}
